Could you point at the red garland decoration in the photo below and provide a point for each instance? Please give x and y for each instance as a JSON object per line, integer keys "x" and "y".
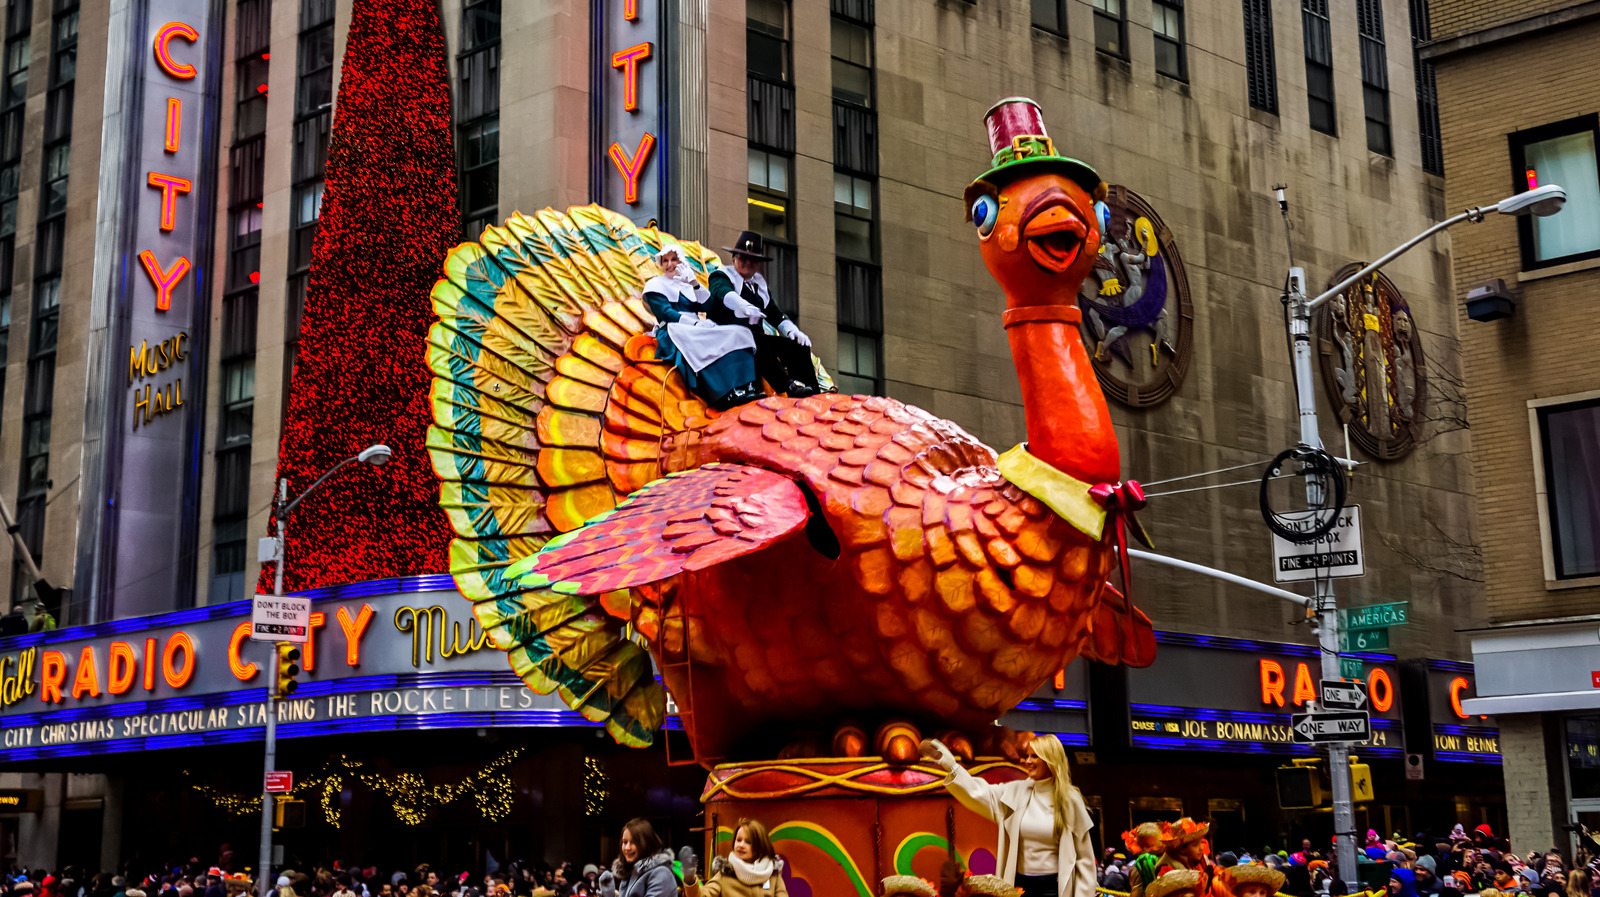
{"x": 388, "y": 218}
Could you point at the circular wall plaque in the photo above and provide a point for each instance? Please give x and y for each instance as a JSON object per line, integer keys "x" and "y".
{"x": 1138, "y": 323}
{"x": 1372, "y": 364}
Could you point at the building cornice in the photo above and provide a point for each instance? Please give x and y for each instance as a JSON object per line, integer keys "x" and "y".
{"x": 1433, "y": 51}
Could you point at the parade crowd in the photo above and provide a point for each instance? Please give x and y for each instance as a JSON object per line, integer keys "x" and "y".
{"x": 1455, "y": 864}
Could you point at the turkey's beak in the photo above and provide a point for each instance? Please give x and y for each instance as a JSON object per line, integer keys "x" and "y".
{"x": 1054, "y": 232}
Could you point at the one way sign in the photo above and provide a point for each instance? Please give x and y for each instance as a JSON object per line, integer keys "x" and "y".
{"x": 1321, "y": 728}
{"x": 1337, "y": 694}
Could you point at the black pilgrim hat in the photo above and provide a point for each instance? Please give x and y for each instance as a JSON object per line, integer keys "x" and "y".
{"x": 749, "y": 245}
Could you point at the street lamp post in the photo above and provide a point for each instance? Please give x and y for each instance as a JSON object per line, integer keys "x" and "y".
{"x": 376, "y": 455}
{"x": 1545, "y": 200}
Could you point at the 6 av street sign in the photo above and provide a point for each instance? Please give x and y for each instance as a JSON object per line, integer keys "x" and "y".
{"x": 1336, "y": 554}
{"x": 1363, "y": 640}
{"x": 1322, "y": 728}
{"x": 1338, "y": 694}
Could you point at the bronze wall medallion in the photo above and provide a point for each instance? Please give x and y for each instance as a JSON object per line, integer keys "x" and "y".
{"x": 1372, "y": 364}
{"x": 1138, "y": 323}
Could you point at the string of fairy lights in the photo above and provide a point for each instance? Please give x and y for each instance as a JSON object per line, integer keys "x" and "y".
{"x": 408, "y": 793}
{"x": 594, "y": 787}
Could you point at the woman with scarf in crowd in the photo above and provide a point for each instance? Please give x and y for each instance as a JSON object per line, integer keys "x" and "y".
{"x": 644, "y": 868}
{"x": 753, "y": 869}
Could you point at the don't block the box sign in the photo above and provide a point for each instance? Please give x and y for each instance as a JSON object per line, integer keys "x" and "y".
{"x": 629, "y": 166}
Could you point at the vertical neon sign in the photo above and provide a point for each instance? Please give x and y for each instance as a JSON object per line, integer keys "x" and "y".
{"x": 629, "y": 108}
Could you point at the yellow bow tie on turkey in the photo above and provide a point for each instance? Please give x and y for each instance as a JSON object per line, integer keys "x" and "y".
{"x": 1061, "y": 492}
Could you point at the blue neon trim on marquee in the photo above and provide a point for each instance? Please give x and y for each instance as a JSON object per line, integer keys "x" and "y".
{"x": 1193, "y": 640}
{"x": 1464, "y": 757}
{"x": 1169, "y": 711}
{"x": 1049, "y": 704}
{"x": 465, "y": 720}
{"x": 398, "y": 586}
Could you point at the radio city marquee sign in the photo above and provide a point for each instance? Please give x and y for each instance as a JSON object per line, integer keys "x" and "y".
{"x": 628, "y": 109}
{"x": 368, "y": 661}
{"x": 1232, "y": 694}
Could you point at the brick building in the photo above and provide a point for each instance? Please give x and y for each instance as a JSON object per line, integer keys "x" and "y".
{"x": 1518, "y": 103}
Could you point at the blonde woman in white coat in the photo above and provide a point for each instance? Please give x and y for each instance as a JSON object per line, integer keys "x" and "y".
{"x": 1044, "y": 825}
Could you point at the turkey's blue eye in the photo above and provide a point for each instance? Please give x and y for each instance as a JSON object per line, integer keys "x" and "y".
{"x": 984, "y": 212}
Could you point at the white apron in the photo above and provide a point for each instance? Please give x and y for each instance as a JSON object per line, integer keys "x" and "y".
{"x": 700, "y": 344}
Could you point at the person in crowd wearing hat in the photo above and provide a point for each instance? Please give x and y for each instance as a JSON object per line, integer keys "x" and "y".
{"x": 1186, "y": 848}
{"x": 1247, "y": 881}
{"x": 988, "y": 886}
{"x": 907, "y": 886}
{"x": 1043, "y": 822}
{"x": 717, "y": 361}
{"x": 784, "y": 361}
{"x": 1145, "y": 841}
{"x": 1178, "y": 883}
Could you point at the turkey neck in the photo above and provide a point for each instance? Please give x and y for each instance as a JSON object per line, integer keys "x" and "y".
{"x": 1069, "y": 425}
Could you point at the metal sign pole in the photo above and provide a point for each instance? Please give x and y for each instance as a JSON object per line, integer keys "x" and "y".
{"x": 265, "y": 869}
{"x": 1324, "y": 603}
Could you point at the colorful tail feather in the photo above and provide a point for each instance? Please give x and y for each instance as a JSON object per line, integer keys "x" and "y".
{"x": 534, "y": 322}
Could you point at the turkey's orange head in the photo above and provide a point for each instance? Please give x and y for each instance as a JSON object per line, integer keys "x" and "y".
{"x": 1038, "y": 233}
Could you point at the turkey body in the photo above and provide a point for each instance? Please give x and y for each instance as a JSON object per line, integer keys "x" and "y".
{"x": 925, "y": 586}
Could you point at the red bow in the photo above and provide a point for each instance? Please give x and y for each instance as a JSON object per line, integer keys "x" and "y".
{"x": 1121, "y": 501}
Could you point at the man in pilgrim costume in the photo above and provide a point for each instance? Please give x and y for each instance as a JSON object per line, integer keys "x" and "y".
{"x": 783, "y": 361}
{"x": 717, "y": 361}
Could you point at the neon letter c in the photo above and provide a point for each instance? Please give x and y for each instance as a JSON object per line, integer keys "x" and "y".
{"x": 164, "y": 52}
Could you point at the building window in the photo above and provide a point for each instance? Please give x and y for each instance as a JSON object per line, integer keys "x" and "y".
{"x": 852, "y": 217}
{"x": 1167, "y": 24}
{"x": 250, "y": 96}
{"x": 852, "y": 63}
{"x": 478, "y": 111}
{"x": 16, "y": 87}
{"x": 769, "y": 194}
{"x": 1261, "y": 66}
{"x": 1374, "y": 75}
{"x": 1569, "y": 435}
{"x": 308, "y": 162}
{"x": 1111, "y": 27}
{"x": 766, "y": 40}
{"x": 1319, "y": 65}
{"x": 1427, "y": 91}
{"x": 860, "y": 312}
{"x": 314, "y": 90}
{"x": 1562, "y": 153}
{"x": 1050, "y": 15}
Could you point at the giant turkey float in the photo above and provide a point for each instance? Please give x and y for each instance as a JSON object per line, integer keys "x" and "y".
{"x": 820, "y": 582}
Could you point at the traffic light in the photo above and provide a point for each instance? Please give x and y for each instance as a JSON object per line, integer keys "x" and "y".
{"x": 289, "y": 813}
{"x": 288, "y": 668}
{"x": 1299, "y": 786}
{"x": 1360, "y": 781}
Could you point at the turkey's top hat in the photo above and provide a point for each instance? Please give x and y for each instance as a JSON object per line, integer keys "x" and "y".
{"x": 749, "y": 245}
{"x": 1018, "y": 140}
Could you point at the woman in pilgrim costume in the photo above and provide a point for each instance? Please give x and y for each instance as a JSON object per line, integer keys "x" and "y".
{"x": 1044, "y": 825}
{"x": 718, "y": 362}
{"x": 783, "y": 361}
{"x": 753, "y": 869}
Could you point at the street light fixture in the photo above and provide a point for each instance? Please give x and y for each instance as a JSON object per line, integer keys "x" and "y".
{"x": 1544, "y": 200}
{"x": 276, "y": 548}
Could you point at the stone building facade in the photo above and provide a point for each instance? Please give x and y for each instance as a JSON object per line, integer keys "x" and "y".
{"x": 1517, "y": 107}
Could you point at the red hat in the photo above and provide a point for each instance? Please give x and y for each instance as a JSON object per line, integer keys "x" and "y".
{"x": 1487, "y": 832}
{"x": 1017, "y": 139}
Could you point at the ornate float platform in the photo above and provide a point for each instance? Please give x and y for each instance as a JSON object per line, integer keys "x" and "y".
{"x": 843, "y": 824}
